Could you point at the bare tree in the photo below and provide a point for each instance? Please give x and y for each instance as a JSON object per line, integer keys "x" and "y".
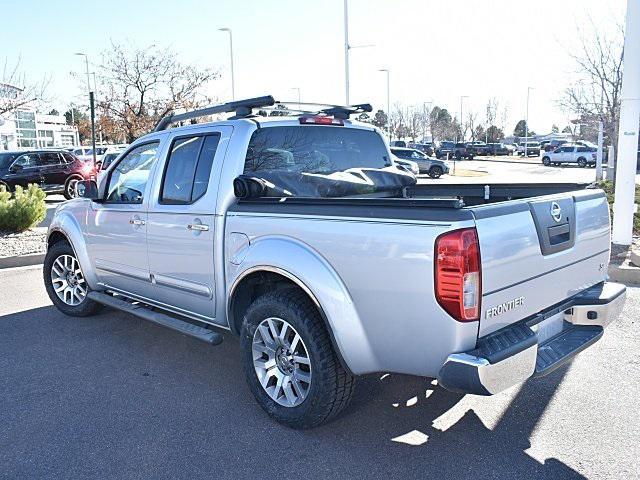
{"x": 140, "y": 86}
{"x": 470, "y": 125}
{"x": 17, "y": 91}
{"x": 595, "y": 96}
{"x": 397, "y": 121}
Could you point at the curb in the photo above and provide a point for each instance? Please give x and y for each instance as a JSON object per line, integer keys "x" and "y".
{"x": 624, "y": 273}
{"x": 634, "y": 258}
{"x": 21, "y": 260}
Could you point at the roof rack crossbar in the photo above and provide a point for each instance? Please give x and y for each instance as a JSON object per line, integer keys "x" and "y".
{"x": 242, "y": 107}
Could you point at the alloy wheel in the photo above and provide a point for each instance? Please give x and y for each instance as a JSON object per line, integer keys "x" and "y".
{"x": 68, "y": 281}
{"x": 281, "y": 362}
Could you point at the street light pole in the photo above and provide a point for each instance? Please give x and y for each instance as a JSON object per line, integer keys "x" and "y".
{"x": 526, "y": 125}
{"x": 95, "y": 97}
{"x": 386, "y": 70}
{"x": 233, "y": 80}
{"x": 346, "y": 52}
{"x": 299, "y": 101}
{"x": 91, "y": 107}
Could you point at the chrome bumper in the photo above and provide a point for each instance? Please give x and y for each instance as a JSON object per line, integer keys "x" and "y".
{"x": 514, "y": 354}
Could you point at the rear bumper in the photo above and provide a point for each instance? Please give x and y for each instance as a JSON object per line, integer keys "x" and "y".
{"x": 515, "y": 353}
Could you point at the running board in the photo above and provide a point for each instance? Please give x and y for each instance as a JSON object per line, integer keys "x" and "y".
{"x": 144, "y": 312}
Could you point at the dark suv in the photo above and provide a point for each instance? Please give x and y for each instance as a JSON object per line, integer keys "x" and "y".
{"x": 55, "y": 171}
{"x": 461, "y": 150}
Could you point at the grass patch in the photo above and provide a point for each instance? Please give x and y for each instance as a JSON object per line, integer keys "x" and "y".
{"x": 607, "y": 186}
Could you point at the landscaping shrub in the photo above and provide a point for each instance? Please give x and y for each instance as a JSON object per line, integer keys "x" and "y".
{"x": 25, "y": 210}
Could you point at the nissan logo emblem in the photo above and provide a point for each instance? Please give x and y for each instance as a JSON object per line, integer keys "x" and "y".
{"x": 556, "y": 211}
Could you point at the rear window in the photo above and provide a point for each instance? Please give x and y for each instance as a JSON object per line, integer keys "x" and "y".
{"x": 6, "y": 159}
{"x": 314, "y": 149}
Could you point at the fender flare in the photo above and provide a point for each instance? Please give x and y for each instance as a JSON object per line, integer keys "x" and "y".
{"x": 304, "y": 266}
{"x": 67, "y": 225}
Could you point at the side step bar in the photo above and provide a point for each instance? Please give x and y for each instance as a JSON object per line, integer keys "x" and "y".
{"x": 139, "y": 310}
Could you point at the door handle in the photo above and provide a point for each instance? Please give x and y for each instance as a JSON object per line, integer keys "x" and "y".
{"x": 136, "y": 221}
{"x": 199, "y": 227}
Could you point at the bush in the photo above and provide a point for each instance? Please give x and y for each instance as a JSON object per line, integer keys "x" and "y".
{"x": 25, "y": 210}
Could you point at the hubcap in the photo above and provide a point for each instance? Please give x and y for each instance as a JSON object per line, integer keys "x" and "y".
{"x": 71, "y": 187}
{"x": 67, "y": 280}
{"x": 281, "y": 362}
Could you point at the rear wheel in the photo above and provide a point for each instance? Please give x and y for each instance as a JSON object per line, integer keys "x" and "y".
{"x": 546, "y": 161}
{"x": 582, "y": 162}
{"x": 289, "y": 362}
{"x": 70, "y": 187}
{"x": 435, "y": 172}
{"x": 65, "y": 282}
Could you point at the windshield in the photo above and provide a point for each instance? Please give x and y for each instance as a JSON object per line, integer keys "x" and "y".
{"x": 6, "y": 159}
{"x": 314, "y": 149}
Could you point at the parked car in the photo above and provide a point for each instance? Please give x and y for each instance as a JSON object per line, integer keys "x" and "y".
{"x": 532, "y": 149}
{"x": 497, "y": 149}
{"x": 433, "y": 167}
{"x": 408, "y": 165}
{"x": 512, "y": 148}
{"x": 427, "y": 147}
{"x": 399, "y": 143}
{"x": 570, "y": 153}
{"x": 80, "y": 151}
{"x": 444, "y": 149}
{"x": 460, "y": 151}
{"x": 309, "y": 263}
{"x": 479, "y": 148}
{"x": 53, "y": 171}
{"x": 110, "y": 154}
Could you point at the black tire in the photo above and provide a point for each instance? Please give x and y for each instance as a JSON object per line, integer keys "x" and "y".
{"x": 69, "y": 189}
{"x": 546, "y": 161}
{"x": 331, "y": 386}
{"x": 458, "y": 156}
{"x": 83, "y": 309}
{"x": 436, "y": 172}
{"x": 582, "y": 162}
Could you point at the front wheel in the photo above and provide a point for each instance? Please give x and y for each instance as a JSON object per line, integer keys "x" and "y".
{"x": 65, "y": 283}
{"x": 289, "y": 363}
{"x": 546, "y": 161}
{"x": 435, "y": 172}
{"x": 582, "y": 162}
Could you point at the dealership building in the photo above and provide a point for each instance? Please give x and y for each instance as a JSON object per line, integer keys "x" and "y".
{"x": 25, "y": 128}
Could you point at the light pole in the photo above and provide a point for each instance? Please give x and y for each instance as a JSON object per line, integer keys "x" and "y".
{"x": 233, "y": 80}
{"x": 526, "y": 126}
{"x": 299, "y": 101}
{"x": 386, "y": 70}
{"x": 348, "y": 47}
{"x": 91, "y": 106}
{"x": 95, "y": 98}
{"x": 461, "y": 121}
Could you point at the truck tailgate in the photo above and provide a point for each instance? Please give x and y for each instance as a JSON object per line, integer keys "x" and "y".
{"x": 537, "y": 252}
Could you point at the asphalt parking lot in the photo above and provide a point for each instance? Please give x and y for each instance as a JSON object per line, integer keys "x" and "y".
{"x": 114, "y": 397}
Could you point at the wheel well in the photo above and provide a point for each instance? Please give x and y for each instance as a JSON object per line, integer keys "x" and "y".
{"x": 56, "y": 237}
{"x": 582, "y": 158}
{"x": 258, "y": 283}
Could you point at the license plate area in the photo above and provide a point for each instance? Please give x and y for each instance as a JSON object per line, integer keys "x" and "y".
{"x": 549, "y": 327}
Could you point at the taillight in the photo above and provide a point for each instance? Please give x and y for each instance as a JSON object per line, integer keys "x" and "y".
{"x": 458, "y": 279}
{"x": 321, "y": 120}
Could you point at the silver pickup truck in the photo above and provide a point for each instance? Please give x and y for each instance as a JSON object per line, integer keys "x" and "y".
{"x": 298, "y": 235}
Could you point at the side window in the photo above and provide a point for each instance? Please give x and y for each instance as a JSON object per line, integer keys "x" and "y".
{"x": 188, "y": 169}
{"x": 129, "y": 178}
{"x": 27, "y": 160}
{"x": 68, "y": 157}
{"x": 583, "y": 149}
{"x": 49, "y": 158}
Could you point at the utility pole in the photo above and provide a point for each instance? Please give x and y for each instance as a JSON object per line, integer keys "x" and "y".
{"x": 623, "y": 207}
{"x": 526, "y": 126}
{"x": 95, "y": 98}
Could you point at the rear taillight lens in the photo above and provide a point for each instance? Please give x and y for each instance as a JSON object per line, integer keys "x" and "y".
{"x": 321, "y": 120}
{"x": 458, "y": 278}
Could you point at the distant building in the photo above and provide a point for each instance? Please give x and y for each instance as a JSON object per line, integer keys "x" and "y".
{"x": 24, "y": 128}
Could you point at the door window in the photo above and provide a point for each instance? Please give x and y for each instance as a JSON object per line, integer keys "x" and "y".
{"x": 188, "y": 169}
{"x": 27, "y": 160}
{"x": 50, "y": 158}
{"x": 130, "y": 176}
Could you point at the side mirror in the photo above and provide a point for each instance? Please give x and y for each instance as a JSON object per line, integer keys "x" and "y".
{"x": 87, "y": 189}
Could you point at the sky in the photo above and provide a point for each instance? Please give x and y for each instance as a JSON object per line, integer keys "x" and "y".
{"x": 436, "y": 50}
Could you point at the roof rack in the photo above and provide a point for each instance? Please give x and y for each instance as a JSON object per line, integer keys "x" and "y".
{"x": 242, "y": 108}
{"x": 338, "y": 111}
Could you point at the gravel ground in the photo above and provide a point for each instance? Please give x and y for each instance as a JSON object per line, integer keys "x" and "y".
{"x": 30, "y": 241}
